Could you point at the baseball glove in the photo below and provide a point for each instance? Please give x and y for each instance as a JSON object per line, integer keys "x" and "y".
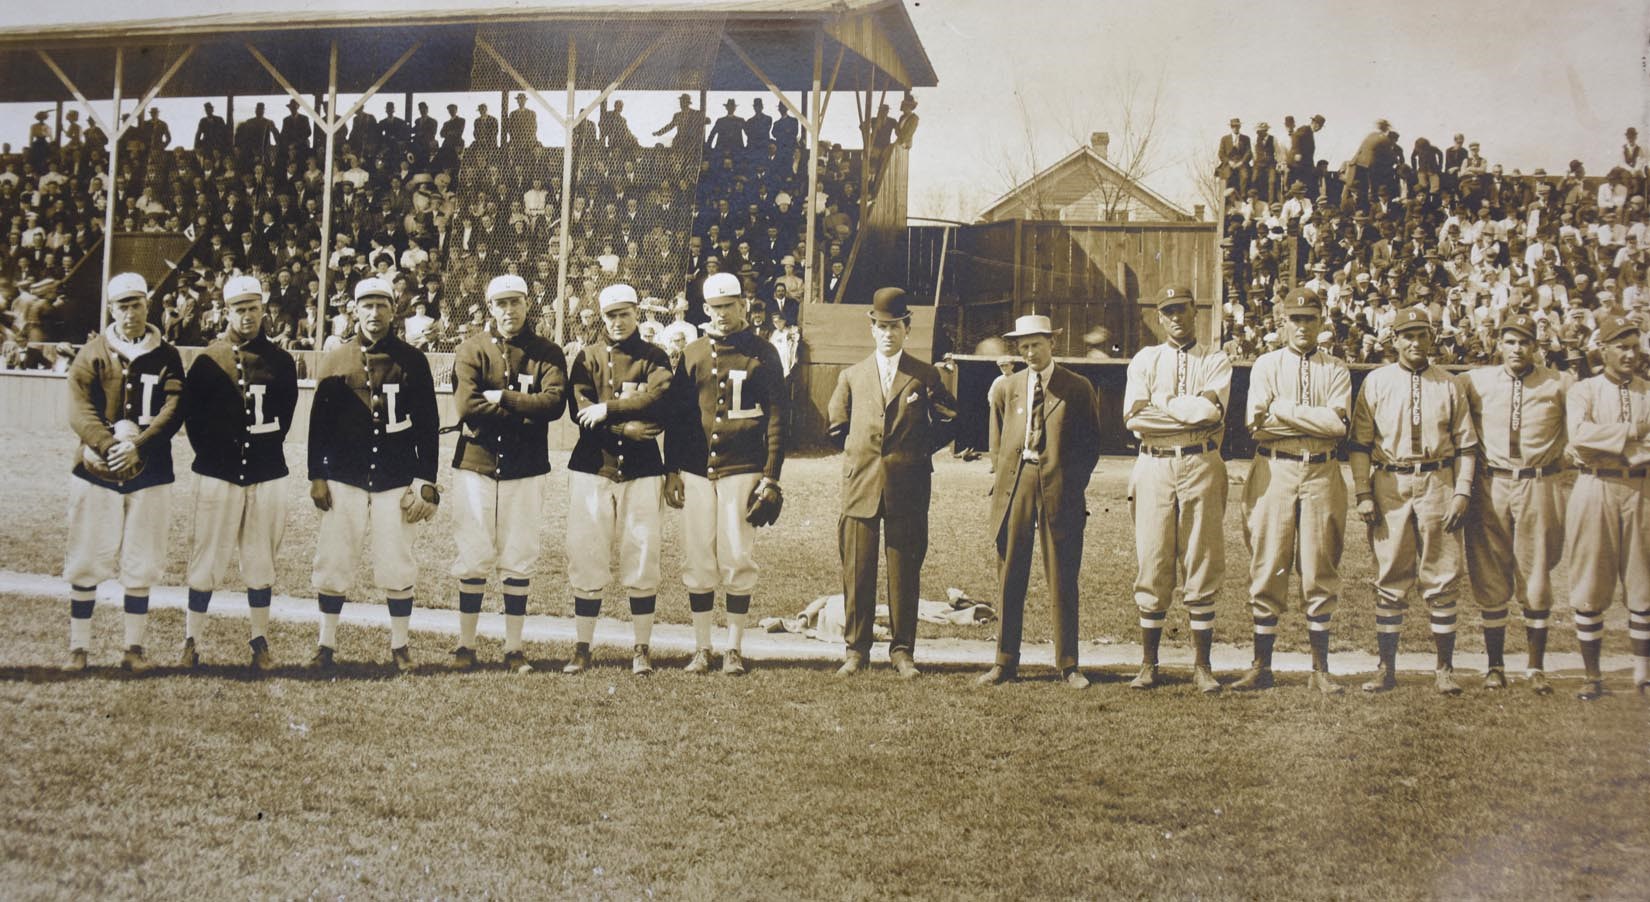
{"x": 125, "y": 431}
{"x": 764, "y": 504}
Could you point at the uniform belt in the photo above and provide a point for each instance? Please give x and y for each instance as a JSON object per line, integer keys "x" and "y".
{"x": 1180, "y": 451}
{"x": 1526, "y": 472}
{"x": 1635, "y": 473}
{"x": 1317, "y": 458}
{"x": 1415, "y": 469}
{"x": 1031, "y": 457}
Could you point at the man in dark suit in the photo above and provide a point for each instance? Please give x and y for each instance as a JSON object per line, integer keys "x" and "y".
{"x": 1303, "y": 165}
{"x": 892, "y": 412}
{"x": 1235, "y": 157}
{"x": 1048, "y": 444}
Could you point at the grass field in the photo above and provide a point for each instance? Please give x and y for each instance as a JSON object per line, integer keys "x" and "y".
{"x": 788, "y": 784}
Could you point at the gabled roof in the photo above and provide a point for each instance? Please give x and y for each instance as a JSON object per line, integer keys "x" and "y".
{"x": 1074, "y": 177}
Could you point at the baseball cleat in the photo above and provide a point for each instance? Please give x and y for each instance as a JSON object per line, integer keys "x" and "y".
{"x": 1495, "y": 678}
{"x": 1444, "y": 681}
{"x": 853, "y": 664}
{"x": 516, "y": 662}
{"x": 1204, "y": 679}
{"x": 1538, "y": 683}
{"x": 996, "y": 676}
{"x": 1324, "y": 683}
{"x": 1383, "y": 681}
{"x": 462, "y": 658}
{"x": 190, "y": 658}
{"x": 905, "y": 666}
{"x": 134, "y": 661}
{"x": 77, "y": 661}
{"x": 1074, "y": 679}
{"x": 1146, "y": 679}
{"x": 733, "y": 663}
{"x": 1592, "y": 690}
{"x": 402, "y": 658}
{"x": 322, "y": 659}
{"x": 261, "y": 658}
{"x": 700, "y": 662}
{"x": 641, "y": 661}
{"x": 580, "y": 662}
{"x": 1254, "y": 679}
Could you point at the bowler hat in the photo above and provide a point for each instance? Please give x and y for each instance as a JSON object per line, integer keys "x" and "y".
{"x": 888, "y": 305}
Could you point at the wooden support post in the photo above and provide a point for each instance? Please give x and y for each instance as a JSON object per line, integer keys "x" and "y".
{"x": 109, "y": 212}
{"x": 565, "y": 246}
{"x": 330, "y": 126}
{"x": 810, "y": 277}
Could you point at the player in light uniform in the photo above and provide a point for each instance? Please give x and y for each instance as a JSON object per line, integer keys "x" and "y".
{"x": 1515, "y": 529}
{"x": 1294, "y": 501}
{"x": 1607, "y": 521}
{"x": 615, "y": 476}
{"x": 724, "y": 448}
{"x": 372, "y": 464}
{"x": 1412, "y": 453}
{"x": 509, "y": 385}
{"x": 1175, "y": 401}
{"x": 238, "y": 401}
{"x": 124, "y": 389}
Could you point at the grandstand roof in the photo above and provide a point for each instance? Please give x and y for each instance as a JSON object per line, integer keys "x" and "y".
{"x": 878, "y": 44}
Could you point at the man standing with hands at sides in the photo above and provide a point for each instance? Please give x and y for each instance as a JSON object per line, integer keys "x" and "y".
{"x": 1607, "y": 522}
{"x": 615, "y": 476}
{"x": 723, "y": 452}
{"x": 1046, "y": 452}
{"x": 372, "y": 464}
{"x": 508, "y": 386}
{"x": 1295, "y": 498}
{"x": 1176, "y": 403}
{"x": 1515, "y": 534}
{"x": 892, "y": 412}
{"x": 124, "y": 388}
{"x": 238, "y": 401}
{"x": 1412, "y": 450}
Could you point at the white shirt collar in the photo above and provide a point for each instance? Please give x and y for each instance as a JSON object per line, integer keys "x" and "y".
{"x": 887, "y": 365}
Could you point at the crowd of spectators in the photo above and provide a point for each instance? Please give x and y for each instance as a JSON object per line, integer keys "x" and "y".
{"x": 1440, "y": 227}
{"x": 437, "y": 208}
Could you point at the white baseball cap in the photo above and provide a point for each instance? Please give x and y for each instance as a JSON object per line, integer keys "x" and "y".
{"x": 242, "y": 287}
{"x": 506, "y": 286}
{"x": 617, "y": 295}
{"x": 373, "y": 287}
{"x": 722, "y": 285}
{"x": 127, "y": 285}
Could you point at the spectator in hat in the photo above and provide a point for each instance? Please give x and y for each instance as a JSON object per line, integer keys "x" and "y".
{"x": 1235, "y": 155}
{"x": 1265, "y": 177}
{"x": 1303, "y": 165}
{"x": 688, "y": 124}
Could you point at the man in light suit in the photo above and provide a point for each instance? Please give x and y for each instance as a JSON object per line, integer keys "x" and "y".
{"x": 1048, "y": 444}
{"x": 892, "y": 411}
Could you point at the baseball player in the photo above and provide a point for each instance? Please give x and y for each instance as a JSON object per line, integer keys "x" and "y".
{"x": 124, "y": 389}
{"x": 237, "y": 408}
{"x": 1412, "y": 453}
{"x": 509, "y": 386}
{"x": 1607, "y": 521}
{"x": 372, "y": 463}
{"x": 1175, "y": 401}
{"x": 724, "y": 448}
{"x": 1515, "y": 533}
{"x": 615, "y": 476}
{"x": 1294, "y": 502}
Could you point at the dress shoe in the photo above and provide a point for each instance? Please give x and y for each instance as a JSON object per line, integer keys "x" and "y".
{"x": 700, "y": 662}
{"x": 733, "y": 663}
{"x": 1444, "y": 681}
{"x": 78, "y": 662}
{"x": 1592, "y": 690}
{"x": 1254, "y": 679}
{"x": 402, "y": 658}
{"x": 1383, "y": 681}
{"x": 1074, "y": 679}
{"x": 1495, "y": 678}
{"x": 1538, "y": 683}
{"x": 1324, "y": 683}
{"x": 853, "y": 664}
{"x": 134, "y": 661}
{"x": 189, "y": 659}
{"x": 1204, "y": 680}
{"x": 997, "y": 675}
{"x": 462, "y": 659}
{"x": 641, "y": 661}
{"x": 580, "y": 662}
{"x": 322, "y": 659}
{"x": 1147, "y": 678}
{"x": 905, "y": 666}
{"x": 516, "y": 662}
{"x": 262, "y": 660}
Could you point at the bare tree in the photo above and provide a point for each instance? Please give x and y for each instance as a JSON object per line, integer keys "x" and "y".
{"x": 1128, "y": 106}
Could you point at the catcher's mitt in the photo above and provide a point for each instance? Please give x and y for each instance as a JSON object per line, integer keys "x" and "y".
{"x": 125, "y": 431}
{"x": 764, "y": 504}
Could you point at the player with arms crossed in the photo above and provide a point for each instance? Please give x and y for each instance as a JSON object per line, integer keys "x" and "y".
{"x": 124, "y": 389}
{"x": 723, "y": 450}
{"x": 508, "y": 385}
{"x": 238, "y": 401}
{"x": 373, "y": 441}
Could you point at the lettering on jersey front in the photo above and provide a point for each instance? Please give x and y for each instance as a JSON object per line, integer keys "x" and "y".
{"x": 736, "y": 400}
{"x": 259, "y": 425}
{"x": 525, "y": 381}
{"x": 394, "y": 424}
{"x": 150, "y": 381}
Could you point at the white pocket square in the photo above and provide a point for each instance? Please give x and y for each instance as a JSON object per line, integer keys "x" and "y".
{"x": 912, "y": 398}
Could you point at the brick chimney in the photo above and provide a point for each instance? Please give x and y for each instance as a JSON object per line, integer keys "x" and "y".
{"x": 1100, "y": 141}
{"x": 1197, "y": 212}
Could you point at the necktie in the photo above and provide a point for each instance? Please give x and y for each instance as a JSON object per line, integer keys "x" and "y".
{"x": 1415, "y": 414}
{"x": 1515, "y": 422}
{"x": 1034, "y": 417}
{"x": 887, "y": 379}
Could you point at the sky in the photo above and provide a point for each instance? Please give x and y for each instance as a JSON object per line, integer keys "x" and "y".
{"x": 1023, "y": 83}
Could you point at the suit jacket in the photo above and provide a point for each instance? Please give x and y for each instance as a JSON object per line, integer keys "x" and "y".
{"x": 890, "y": 443}
{"x": 1071, "y": 426}
{"x": 1305, "y": 147}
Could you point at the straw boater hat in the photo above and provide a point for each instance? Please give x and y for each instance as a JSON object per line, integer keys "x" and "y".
{"x": 1032, "y": 324}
